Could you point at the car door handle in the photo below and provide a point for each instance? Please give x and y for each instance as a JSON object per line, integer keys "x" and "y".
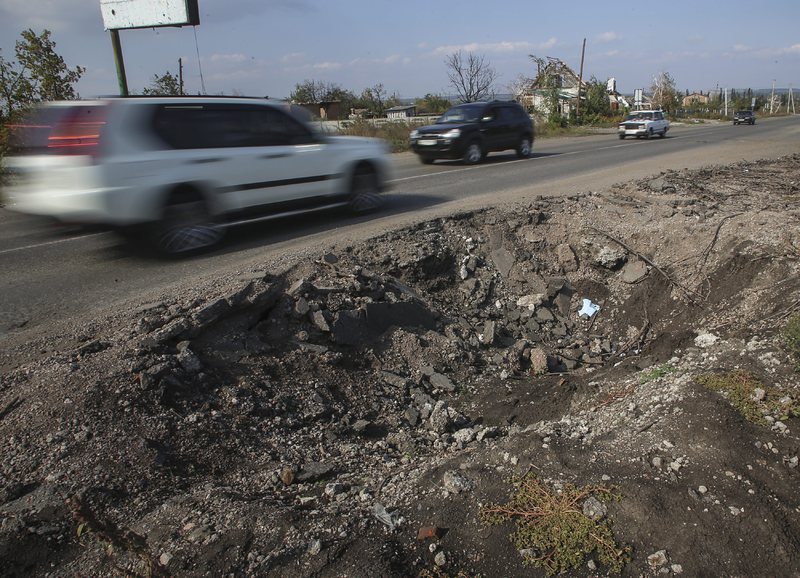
{"x": 275, "y": 155}
{"x": 204, "y": 161}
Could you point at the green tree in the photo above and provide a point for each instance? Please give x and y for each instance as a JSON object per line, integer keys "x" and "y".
{"x": 167, "y": 84}
{"x": 665, "y": 95}
{"x": 597, "y": 101}
{"x": 37, "y": 74}
{"x": 314, "y": 91}
{"x": 374, "y": 99}
{"x": 433, "y": 104}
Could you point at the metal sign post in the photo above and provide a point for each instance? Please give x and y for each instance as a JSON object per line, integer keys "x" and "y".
{"x": 118, "y": 60}
{"x": 127, "y": 14}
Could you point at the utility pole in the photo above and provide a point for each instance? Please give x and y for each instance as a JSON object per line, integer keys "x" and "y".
{"x": 121, "y": 78}
{"x": 772, "y": 97}
{"x": 726, "y": 102}
{"x": 180, "y": 76}
{"x": 790, "y": 101}
{"x": 580, "y": 82}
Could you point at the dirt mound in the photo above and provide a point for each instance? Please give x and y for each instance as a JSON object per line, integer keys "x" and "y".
{"x": 356, "y": 415}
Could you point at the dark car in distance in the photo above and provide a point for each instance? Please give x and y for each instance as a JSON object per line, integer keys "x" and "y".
{"x": 744, "y": 117}
{"x": 471, "y": 131}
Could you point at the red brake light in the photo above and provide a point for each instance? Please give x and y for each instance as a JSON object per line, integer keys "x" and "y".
{"x": 78, "y": 133}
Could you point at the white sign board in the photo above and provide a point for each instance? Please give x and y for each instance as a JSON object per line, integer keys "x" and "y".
{"x": 123, "y": 14}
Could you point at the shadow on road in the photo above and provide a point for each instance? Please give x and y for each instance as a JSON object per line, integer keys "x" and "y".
{"x": 282, "y": 229}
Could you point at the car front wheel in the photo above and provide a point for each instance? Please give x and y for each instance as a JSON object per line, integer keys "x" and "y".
{"x": 473, "y": 154}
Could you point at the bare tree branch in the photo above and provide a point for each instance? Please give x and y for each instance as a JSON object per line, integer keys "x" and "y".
{"x": 472, "y": 76}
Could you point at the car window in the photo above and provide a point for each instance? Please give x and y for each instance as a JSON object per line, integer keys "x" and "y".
{"x": 224, "y": 126}
{"x": 462, "y": 113}
{"x": 508, "y": 114}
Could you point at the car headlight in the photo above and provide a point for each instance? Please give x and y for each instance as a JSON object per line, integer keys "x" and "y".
{"x": 414, "y": 134}
{"x": 453, "y": 133}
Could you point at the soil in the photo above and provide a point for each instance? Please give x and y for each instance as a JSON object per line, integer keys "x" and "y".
{"x": 355, "y": 414}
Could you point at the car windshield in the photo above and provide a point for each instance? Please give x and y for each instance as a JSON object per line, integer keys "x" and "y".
{"x": 640, "y": 116}
{"x": 462, "y": 113}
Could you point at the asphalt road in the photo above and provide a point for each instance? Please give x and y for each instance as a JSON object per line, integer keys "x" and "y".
{"x": 52, "y": 276}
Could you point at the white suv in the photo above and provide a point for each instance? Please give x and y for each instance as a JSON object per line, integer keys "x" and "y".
{"x": 182, "y": 169}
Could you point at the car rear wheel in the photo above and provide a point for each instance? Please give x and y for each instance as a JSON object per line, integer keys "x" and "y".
{"x": 524, "y": 147}
{"x": 426, "y": 160}
{"x": 663, "y": 133}
{"x": 364, "y": 191}
{"x": 473, "y": 154}
{"x": 186, "y": 225}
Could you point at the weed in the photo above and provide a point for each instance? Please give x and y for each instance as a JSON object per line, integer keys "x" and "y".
{"x": 656, "y": 372}
{"x": 792, "y": 335}
{"x": 752, "y": 399}
{"x": 552, "y": 526}
{"x": 394, "y": 132}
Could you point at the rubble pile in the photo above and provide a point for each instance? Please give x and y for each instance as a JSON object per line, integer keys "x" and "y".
{"x": 349, "y": 416}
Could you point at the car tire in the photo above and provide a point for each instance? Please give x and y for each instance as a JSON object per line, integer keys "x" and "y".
{"x": 426, "y": 160}
{"x": 186, "y": 225}
{"x": 524, "y": 147}
{"x": 663, "y": 133}
{"x": 622, "y": 137}
{"x": 364, "y": 191}
{"x": 649, "y": 134}
{"x": 473, "y": 154}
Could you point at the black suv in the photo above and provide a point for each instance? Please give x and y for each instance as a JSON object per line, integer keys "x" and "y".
{"x": 744, "y": 117}
{"x": 471, "y": 131}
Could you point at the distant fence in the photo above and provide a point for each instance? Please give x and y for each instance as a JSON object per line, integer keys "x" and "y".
{"x": 334, "y": 126}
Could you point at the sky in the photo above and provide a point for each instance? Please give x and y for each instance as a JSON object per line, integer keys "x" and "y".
{"x": 267, "y": 47}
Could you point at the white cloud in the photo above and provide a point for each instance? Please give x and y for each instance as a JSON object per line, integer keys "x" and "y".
{"x": 391, "y": 59}
{"x": 327, "y": 66}
{"x": 793, "y": 49}
{"x": 740, "y": 48}
{"x": 496, "y": 47}
{"x": 227, "y": 58}
{"x": 292, "y": 57}
{"x": 54, "y": 15}
{"x": 608, "y": 37}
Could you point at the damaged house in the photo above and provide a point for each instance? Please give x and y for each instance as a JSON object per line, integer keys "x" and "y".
{"x": 554, "y": 80}
{"x": 556, "y": 88}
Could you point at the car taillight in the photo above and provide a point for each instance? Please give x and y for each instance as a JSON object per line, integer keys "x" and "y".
{"x": 78, "y": 133}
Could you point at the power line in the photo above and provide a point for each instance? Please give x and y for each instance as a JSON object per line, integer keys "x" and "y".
{"x": 199, "y": 64}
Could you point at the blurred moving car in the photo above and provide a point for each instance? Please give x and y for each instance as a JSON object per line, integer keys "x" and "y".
{"x": 744, "y": 117}
{"x": 178, "y": 170}
{"x": 470, "y": 131}
{"x": 646, "y": 123}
